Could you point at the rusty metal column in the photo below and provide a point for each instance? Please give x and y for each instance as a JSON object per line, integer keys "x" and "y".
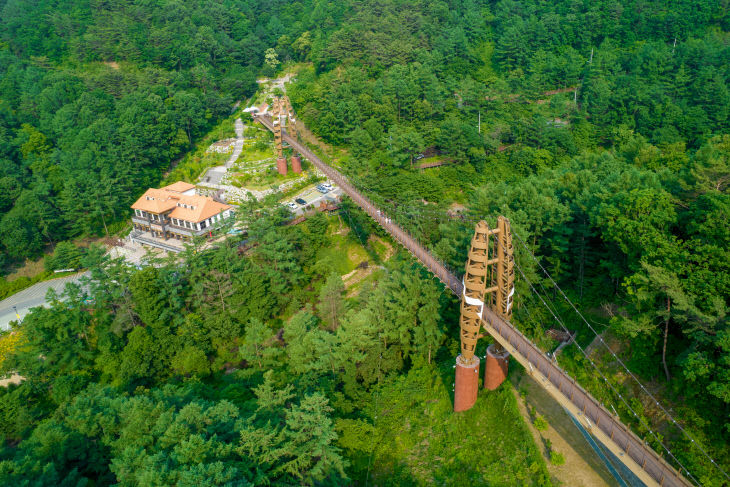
{"x": 497, "y": 358}
{"x": 276, "y": 122}
{"x": 296, "y": 160}
{"x": 466, "y": 384}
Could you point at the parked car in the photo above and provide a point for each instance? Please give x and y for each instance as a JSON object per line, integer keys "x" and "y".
{"x": 327, "y": 186}
{"x": 322, "y": 189}
{"x": 300, "y": 201}
{"x": 418, "y": 157}
{"x": 292, "y": 205}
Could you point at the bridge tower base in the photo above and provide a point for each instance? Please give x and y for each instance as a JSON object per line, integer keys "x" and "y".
{"x": 495, "y": 369}
{"x": 466, "y": 384}
{"x": 281, "y": 165}
{"x": 296, "y": 164}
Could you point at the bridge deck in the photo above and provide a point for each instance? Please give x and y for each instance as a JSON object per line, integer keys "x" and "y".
{"x": 648, "y": 466}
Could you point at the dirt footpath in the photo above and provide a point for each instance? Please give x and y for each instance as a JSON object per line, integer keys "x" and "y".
{"x": 582, "y": 465}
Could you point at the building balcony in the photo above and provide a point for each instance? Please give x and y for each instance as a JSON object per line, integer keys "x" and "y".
{"x": 166, "y": 225}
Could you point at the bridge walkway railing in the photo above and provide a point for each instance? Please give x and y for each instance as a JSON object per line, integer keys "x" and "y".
{"x": 639, "y": 457}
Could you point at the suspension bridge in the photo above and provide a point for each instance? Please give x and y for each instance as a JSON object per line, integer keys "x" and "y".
{"x": 646, "y": 464}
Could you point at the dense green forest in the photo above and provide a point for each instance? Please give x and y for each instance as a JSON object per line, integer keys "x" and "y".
{"x": 601, "y": 129}
{"x": 98, "y": 99}
{"x": 246, "y": 368}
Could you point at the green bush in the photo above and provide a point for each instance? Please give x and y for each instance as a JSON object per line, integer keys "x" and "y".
{"x": 540, "y": 423}
{"x": 557, "y": 458}
{"x": 261, "y": 144}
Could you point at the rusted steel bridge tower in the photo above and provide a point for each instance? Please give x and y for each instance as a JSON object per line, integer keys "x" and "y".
{"x": 490, "y": 262}
{"x": 282, "y": 116}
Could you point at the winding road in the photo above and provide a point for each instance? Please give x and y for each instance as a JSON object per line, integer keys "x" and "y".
{"x": 31, "y": 297}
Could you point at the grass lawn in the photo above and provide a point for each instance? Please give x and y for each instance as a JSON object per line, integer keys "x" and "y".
{"x": 252, "y": 153}
{"x": 418, "y": 440}
{"x": 343, "y": 253}
{"x": 384, "y": 250}
{"x": 30, "y": 269}
{"x": 261, "y": 180}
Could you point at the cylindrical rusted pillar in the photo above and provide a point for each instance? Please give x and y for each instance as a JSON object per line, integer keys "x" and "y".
{"x": 281, "y": 165}
{"x": 495, "y": 369}
{"x": 296, "y": 164}
{"x": 466, "y": 384}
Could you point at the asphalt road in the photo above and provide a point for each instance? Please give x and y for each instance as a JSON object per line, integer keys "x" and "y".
{"x": 30, "y": 298}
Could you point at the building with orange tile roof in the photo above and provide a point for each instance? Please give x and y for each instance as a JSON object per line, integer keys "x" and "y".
{"x": 175, "y": 211}
{"x": 181, "y": 187}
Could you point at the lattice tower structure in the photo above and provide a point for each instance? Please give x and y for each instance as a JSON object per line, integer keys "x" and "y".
{"x": 478, "y": 269}
{"x": 276, "y": 116}
{"x": 504, "y": 277}
{"x": 293, "y": 131}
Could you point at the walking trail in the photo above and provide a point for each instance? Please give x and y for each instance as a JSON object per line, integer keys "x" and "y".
{"x": 215, "y": 174}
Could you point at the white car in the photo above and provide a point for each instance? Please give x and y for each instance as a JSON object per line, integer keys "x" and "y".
{"x": 292, "y": 205}
{"x": 328, "y": 186}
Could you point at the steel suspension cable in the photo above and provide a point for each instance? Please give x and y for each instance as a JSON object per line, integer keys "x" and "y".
{"x": 641, "y": 420}
{"x": 608, "y": 383}
{"x": 618, "y": 359}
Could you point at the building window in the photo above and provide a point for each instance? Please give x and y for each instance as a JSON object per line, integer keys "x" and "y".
{"x": 202, "y": 224}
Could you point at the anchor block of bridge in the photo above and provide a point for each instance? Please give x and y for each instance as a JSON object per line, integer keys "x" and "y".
{"x": 466, "y": 383}
{"x": 296, "y": 164}
{"x": 495, "y": 367}
{"x": 281, "y": 165}
{"x": 631, "y": 450}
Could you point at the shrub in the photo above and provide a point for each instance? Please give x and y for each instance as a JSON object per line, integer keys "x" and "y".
{"x": 540, "y": 423}
{"x": 557, "y": 458}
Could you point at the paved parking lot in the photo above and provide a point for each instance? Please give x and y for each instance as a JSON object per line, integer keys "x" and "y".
{"x": 313, "y": 197}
